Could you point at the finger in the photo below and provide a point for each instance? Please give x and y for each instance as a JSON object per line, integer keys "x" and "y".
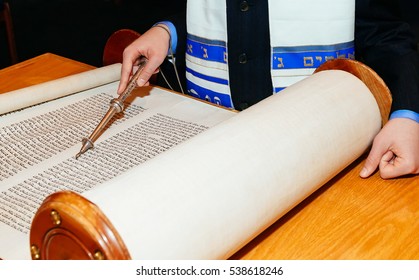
{"x": 388, "y": 158}
{"x": 391, "y": 166}
{"x": 150, "y": 68}
{"x": 372, "y": 161}
{"x": 126, "y": 71}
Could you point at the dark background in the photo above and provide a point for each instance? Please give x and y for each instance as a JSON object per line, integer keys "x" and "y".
{"x": 78, "y": 29}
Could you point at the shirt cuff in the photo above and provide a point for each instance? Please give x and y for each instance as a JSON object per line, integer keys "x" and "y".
{"x": 173, "y": 34}
{"x": 405, "y": 114}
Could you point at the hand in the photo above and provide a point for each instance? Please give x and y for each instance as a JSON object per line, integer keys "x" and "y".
{"x": 153, "y": 45}
{"x": 395, "y": 150}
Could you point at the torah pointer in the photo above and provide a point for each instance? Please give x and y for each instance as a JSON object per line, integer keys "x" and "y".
{"x": 116, "y": 106}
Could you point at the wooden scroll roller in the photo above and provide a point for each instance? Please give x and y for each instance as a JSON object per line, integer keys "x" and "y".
{"x": 156, "y": 219}
{"x": 67, "y": 226}
{"x": 371, "y": 79}
{"x": 115, "y": 45}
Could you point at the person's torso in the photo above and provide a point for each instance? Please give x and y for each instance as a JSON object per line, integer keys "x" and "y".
{"x": 269, "y": 45}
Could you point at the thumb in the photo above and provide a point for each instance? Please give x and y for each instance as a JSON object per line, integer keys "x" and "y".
{"x": 390, "y": 165}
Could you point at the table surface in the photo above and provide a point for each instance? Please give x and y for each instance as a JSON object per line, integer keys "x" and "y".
{"x": 347, "y": 218}
{"x": 38, "y": 70}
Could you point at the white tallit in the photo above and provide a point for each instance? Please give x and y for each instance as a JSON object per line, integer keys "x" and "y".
{"x": 304, "y": 34}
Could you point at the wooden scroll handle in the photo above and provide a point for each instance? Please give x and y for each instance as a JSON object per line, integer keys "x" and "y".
{"x": 116, "y": 43}
{"x": 370, "y": 78}
{"x": 68, "y": 226}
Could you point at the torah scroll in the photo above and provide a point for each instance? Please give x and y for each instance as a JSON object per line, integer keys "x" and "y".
{"x": 210, "y": 195}
{"x": 29, "y": 96}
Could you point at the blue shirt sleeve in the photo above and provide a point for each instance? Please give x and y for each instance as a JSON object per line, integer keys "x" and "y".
{"x": 405, "y": 114}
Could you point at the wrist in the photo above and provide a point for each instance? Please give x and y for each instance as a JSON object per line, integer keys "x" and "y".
{"x": 171, "y": 30}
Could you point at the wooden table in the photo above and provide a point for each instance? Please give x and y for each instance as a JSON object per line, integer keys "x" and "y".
{"x": 38, "y": 70}
{"x": 348, "y": 218}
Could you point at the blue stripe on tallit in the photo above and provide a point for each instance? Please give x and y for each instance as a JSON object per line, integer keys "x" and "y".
{"x": 209, "y": 95}
{"x": 210, "y": 50}
{"x": 206, "y": 77}
{"x": 309, "y": 56}
{"x": 278, "y": 89}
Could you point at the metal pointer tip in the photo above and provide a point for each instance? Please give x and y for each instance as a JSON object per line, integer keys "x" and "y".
{"x": 87, "y": 144}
